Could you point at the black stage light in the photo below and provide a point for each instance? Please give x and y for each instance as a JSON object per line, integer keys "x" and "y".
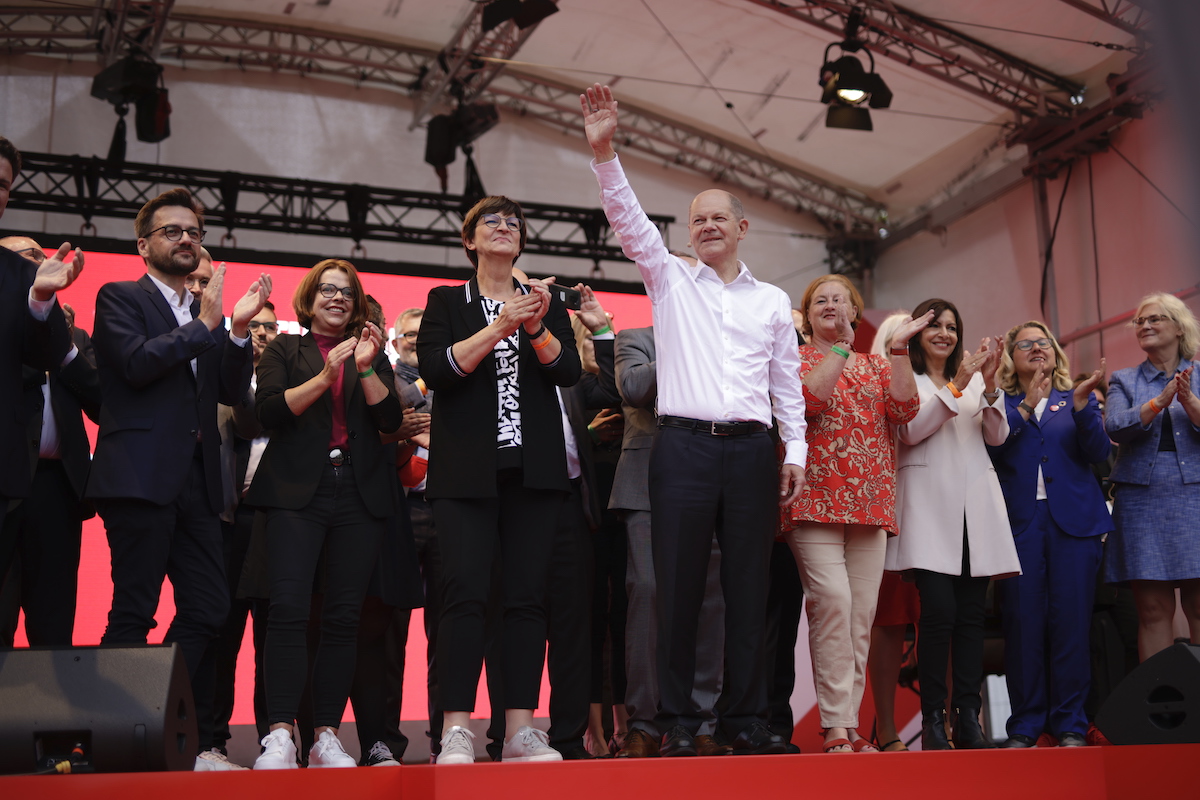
{"x": 534, "y": 11}
{"x": 498, "y": 12}
{"x": 848, "y": 89}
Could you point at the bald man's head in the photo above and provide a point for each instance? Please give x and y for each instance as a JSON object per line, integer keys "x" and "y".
{"x": 25, "y": 247}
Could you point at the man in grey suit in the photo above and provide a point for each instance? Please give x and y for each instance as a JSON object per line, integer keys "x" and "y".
{"x": 637, "y": 382}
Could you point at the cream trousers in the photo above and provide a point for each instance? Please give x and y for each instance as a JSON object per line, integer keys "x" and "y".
{"x": 841, "y": 567}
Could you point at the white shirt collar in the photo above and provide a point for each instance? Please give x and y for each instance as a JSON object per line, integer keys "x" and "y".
{"x": 173, "y": 298}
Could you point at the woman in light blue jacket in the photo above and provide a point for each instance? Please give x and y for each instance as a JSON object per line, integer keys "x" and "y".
{"x": 1153, "y": 415}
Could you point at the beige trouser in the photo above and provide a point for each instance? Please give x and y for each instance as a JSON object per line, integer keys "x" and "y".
{"x": 841, "y": 567}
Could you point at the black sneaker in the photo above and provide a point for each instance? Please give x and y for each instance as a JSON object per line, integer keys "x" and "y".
{"x": 380, "y": 756}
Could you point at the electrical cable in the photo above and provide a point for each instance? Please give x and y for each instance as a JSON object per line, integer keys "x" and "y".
{"x": 1153, "y": 185}
{"x": 1095, "y": 248}
{"x": 1053, "y": 235}
{"x": 1105, "y": 45}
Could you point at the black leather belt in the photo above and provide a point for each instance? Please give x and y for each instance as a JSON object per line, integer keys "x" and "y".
{"x": 711, "y": 428}
{"x": 338, "y": 456}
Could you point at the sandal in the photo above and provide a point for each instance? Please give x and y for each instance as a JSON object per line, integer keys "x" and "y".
{"x": 837, "y": 745}
{"x": 890, "y": 748}
{"x": 863, "y": 746}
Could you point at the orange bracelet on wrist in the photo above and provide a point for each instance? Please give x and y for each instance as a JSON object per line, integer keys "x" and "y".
{"x": 1154, "y": 406}
{"x": 953, "y": 389}
{"x": 549, "y": 339}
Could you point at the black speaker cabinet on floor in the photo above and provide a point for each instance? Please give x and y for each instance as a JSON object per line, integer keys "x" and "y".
{"x": 122, "y": 709}
{"x": 1157, "y": 703}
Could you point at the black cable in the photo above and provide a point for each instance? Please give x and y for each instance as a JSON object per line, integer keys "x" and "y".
{"x": 1053, "y": 234}
{"x": 1095, "y": 249}
{"x": 1093, "y": 43}
{"x": 1153, "y": 185}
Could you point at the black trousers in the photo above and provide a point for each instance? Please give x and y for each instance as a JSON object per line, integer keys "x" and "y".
{"x": 337, "y": 522}
{"x": 569, "y": 600}
{"x": 785, "y": 603}
{"x": 610, "y": 607}
{"x": 229, "y": 642}
{"x": 699, "y": 484}
{"x": 951, "y": 626}
{"x": 520, "y": 524}
{"x": 376, "y": 706}
{"x": 47, "y": 528}
{"x": 181, "y": 540}
{"x": 430, "y": 557}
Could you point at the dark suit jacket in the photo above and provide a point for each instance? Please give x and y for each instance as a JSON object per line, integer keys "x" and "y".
{"x": 462, "y": 456}
{"x": 24, "y": 341}
{"x": 581, "y": 400}
{"x": 154, "y": 408}
{"x": 638, "y": 383}
{"x": 298, "y": 451}
{"x": 74, "y": 391}
{"x": 1064, "y": 443}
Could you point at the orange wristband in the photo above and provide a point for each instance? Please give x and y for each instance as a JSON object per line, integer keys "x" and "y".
{"x": 549, "y": 339}
{"x": 1154, "y": 406}
{"x": 953, "y": 389}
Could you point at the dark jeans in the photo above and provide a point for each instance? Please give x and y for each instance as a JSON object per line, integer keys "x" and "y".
{"x": 951, "y": 626}
{"x": 700, "y": 483}
{"x": 181, "y": 540}
{"x": 48, "y": 526}
{"x": 520, "y": 523}
{"x": 785, "y": 604}
{"x": 337, "y": 521}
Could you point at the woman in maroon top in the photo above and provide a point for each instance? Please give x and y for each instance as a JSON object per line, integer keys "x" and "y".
{"x": 840, "y": 524}
{"x": 324, "y": 398}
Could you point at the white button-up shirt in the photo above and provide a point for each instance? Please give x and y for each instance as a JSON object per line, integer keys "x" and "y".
{"x": 725, "y": 352}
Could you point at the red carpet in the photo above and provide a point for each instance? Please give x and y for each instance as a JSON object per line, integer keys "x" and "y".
{"x": 1120, "y": 773}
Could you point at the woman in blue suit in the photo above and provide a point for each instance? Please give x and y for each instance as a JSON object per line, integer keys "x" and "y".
{"x": 1154, "y": 417}
{"x": 1058, "y": 515}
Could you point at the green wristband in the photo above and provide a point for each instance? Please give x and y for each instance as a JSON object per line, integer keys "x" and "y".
{"x": 840, "y": 351}
{"x": 606, "y": 329}
{"x": 370, "y": 371}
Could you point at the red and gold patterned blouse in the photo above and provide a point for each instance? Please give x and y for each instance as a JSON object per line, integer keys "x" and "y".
{"x": 851, "y": 473}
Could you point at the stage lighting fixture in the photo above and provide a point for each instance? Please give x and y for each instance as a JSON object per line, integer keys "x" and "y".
{"x": 523, "y": 14}
{"x": 498, "y": 12}
{"x": 848, "y": 89}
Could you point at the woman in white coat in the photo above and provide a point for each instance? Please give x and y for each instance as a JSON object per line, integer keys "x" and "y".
{"x": 954, "y": 532}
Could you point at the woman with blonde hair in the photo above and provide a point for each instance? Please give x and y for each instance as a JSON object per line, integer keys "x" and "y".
{"x": 1058, "y": 515}
{"x": 838, "y": 528}
{"x": 1154, "y": 417}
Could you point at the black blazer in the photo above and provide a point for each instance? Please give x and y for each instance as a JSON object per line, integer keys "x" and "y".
{"x": 74, "y": 391}
{"x": 154, "y": 408}
{"x": 24, "y": 341}
{"x": 298, "y": 450}
{"x": 462, "y": 458}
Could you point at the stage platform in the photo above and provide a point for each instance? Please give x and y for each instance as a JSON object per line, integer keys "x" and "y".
{"x": 1092, "y": 773}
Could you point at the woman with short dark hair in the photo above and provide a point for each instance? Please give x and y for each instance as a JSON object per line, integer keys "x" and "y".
{"x": 494, "y": 351}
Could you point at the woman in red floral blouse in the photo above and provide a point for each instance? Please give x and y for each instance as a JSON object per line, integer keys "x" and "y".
{"x": 841, "y": 522}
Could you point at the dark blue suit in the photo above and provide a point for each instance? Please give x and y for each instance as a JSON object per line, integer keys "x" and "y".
{"x": 156, "y": 474}
{"x": 1047, "y": 609}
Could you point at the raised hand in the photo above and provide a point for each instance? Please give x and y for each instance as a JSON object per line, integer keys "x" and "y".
{"x": 970, "y": 364}
{"x": 1168, "y": 393}
{"x": 843, "y": 322}
{"x": 367, "y": 346}
{"x": 336, "y": 358}
{"x": 539, "y": 288}
{"x": 249, "y": 304}
{"x": 415, "y": 423}
{"x": 55, "y": 273}
{"x": 599, "y": 120}
{"x": 995, "y": 354}
{"x": 910, "y": 328}
{"x": 591, "y": 313}
{"x": 69, "y": 313}
{"x": 1039, "y": 386}
{"x": 212, "y": 302}
{"x": 1084, "y": 390}
{"x": 515, "y": 312}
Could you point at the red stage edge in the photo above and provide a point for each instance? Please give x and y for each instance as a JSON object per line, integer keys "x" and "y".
{"x": 1120, "y": 773}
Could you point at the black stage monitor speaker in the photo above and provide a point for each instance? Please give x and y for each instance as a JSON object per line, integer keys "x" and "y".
{"x": 1157, "y": 703}
{"x": 107, "y": 709}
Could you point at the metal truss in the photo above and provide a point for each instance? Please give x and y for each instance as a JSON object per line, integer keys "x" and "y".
{"x": 128, "y": 27}
{"x": 920, "y": 43}
{"x": 262, "y": 46}
{"x": 469, "y": 63}
{"x": 1121, "y": 14}
{"x": 85, "y": 186}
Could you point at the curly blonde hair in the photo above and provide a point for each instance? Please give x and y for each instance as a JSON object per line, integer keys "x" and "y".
{"x": 1181, "y": 315}
{"x": 1006, "y": 375}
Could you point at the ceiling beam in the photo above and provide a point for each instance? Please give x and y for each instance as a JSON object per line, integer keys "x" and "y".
{"x": 272, "y": 47}
{"x": 130, "y": 27}
{"x": 920, "y": 43}
{"x": 1123, "y": 15}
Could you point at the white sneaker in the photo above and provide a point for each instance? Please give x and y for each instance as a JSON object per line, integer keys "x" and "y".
{"x": 530, "y": 744}
{"x": 279, "y": 752}
{"x": 327, "y": 753}
{"x": 215, "y": 761}
{"x": 381, "y": 756}
{"x": 457, "y": 747}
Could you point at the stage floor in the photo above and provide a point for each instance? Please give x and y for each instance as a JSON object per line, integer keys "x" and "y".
{"x": 1120, "y": 773}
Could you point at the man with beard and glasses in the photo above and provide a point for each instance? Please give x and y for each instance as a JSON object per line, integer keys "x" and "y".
{"x": 165, "y": 361}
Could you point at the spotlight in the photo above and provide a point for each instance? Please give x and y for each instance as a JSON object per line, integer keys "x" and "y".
{"x": 523, "y": 14}
{"x": 846, "y": 87}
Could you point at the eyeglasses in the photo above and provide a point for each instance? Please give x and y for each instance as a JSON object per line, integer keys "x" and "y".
{"x": 269, "y": 327}
{"x": 1027, "y": 344}
{"x": 329, "y": 290}
{"x": 494, "y": 220}
{"x": 34, "y": 254}
{"x": 173, "y": 233}
{"x": 1153, "y": 319}
{"x": 410, "y": 336}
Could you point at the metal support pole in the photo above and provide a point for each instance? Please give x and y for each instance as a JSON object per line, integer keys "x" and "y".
{"x": 1049, "y": 293}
